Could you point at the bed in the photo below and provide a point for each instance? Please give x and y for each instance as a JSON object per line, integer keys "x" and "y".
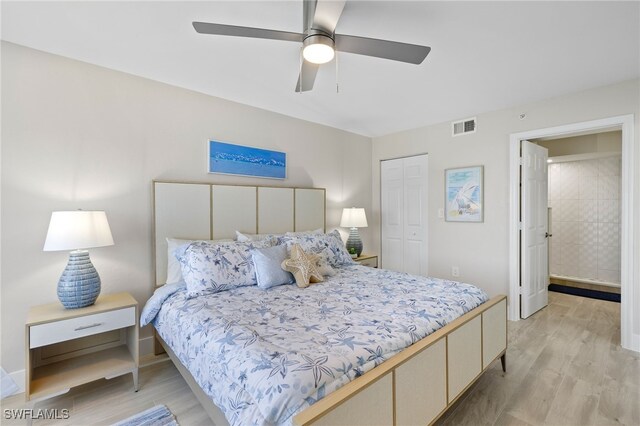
{"x": 367, "y": 346}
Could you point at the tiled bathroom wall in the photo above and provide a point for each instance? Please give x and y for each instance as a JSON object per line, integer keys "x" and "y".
{"x": 584, "y": 197}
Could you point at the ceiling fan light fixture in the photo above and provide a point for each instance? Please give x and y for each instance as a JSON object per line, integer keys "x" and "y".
{"x": 318, "y": 49}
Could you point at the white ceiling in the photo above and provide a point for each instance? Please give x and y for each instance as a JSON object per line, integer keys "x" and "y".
{"x": 485, "y": 55}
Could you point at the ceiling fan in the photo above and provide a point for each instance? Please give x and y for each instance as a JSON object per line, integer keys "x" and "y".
{"x": 319, "y": 40}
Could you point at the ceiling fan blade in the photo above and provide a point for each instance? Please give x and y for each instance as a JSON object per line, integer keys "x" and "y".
{"x": 324, "y": 16}
{"x": 307, "y": 76}
{"x": 396, "y": 51}
{"x": 232, "y": 30}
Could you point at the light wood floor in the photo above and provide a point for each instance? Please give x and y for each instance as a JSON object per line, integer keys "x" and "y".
{"x": 564, "y": 367}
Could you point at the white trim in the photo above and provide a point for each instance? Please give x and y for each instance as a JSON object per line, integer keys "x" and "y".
{"x": 580, "y": 157}
{"x": 630, "y": 288}
{"x": 513, "y": 309}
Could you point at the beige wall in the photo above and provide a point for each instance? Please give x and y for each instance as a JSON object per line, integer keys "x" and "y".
{"x": 481, "y": 250}
{"x": 76, "y": 135}
{"x": 584, "y": 144}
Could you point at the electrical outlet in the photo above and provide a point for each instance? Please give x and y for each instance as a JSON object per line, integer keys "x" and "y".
{"x": 455, "y": 271}
{"x": 440, "y": 213}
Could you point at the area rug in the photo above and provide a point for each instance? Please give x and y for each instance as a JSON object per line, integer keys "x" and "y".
{"x": 155, "y": 416}
{"x": 593, "y": 294}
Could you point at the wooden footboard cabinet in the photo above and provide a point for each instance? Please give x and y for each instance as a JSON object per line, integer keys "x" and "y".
{"x": 418, "y": 385}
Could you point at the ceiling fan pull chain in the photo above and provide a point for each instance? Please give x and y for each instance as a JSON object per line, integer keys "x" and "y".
{"x": 337, "y": 79}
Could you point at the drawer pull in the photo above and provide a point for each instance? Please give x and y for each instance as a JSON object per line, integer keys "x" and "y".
{"x": 84, "y": 327}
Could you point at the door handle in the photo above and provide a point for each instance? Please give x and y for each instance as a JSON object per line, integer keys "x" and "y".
{"x": 547, "y": 235}
{"x": 84, "y": 327}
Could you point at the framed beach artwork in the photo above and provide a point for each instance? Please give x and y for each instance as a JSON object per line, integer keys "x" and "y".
{"x": 464, "y": 194}
{"x": 242, "y": 160}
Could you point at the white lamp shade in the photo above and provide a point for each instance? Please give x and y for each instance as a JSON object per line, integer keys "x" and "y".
{"x": 353, "y": 218}
{"x": 79, "y": 229}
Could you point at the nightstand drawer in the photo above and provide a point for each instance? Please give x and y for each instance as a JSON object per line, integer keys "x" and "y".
{"x": 60, "y": 331}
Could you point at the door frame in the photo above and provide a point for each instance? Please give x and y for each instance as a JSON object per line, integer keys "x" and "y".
{"x": 629, "y": 288}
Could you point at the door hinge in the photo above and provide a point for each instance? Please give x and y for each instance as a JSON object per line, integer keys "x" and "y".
{"x": 520, "y": 161}
{"x": 520, "y": 226}
{"x": 520, "y": 290}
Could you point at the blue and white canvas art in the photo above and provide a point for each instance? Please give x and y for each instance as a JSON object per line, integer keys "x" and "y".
{"x": 464, "y": 194}
{"x": 241, "y": 160}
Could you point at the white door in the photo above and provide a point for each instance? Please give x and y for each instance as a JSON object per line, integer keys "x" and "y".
{"x": 415, "y": 215}
{"x": 404, "y": 214}
{"x": 534, "y": 241}
{"x": 392, "y": 200}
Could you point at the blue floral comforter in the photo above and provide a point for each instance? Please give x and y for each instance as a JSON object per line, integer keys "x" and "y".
{"x": 265, "y": 355}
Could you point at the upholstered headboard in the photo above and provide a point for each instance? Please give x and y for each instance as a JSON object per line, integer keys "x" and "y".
{"x": 206, "y": 211}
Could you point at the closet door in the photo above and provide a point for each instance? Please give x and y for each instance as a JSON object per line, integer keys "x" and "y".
{"x": 392, "y": 200}
{"x": 415, "y": 215}
{"x": 404, "y": 214}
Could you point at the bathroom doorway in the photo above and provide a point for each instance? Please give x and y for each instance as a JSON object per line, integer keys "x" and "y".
{"x": 584, "y": 193}
{"x": 629, "y": 287}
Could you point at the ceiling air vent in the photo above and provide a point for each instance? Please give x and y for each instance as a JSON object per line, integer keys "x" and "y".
{"x": 463, "y": 127}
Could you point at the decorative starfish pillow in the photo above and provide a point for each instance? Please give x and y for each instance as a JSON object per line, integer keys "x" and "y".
{"x": 302, "y": 266}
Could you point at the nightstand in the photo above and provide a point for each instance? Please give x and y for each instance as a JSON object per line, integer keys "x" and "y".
{"x": 370, "y": 260}
{"x": 70, "y": 347}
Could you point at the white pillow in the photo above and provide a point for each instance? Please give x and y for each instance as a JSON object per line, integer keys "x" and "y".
{"x": 174, "y": 273}
{"x": 243, "y": 238}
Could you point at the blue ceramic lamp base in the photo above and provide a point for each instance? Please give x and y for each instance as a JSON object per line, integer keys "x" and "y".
{"x": 79, "y": 285}
{"x": 354, "y": 241}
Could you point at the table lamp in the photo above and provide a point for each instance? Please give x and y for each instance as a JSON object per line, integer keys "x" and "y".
{"x": 78, "y": 230}
{"x": 354, "y": 218}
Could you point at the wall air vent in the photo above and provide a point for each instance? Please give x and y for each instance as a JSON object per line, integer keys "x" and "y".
{"x": 463, "y": 127}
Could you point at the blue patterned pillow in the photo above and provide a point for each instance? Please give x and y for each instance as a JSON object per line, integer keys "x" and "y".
{"x": 209, "y": 268}
{"x": 267, "y": 262}
{"x": 336, "y": 253}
